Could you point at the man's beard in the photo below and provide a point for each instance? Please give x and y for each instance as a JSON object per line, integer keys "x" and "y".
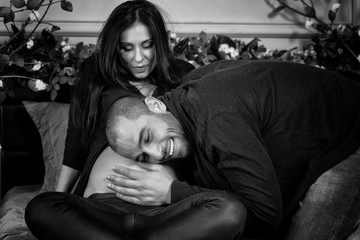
{"x": 176, "y": 130}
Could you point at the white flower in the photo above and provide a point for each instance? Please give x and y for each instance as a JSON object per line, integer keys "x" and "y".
{"x": 34, "y": 16}
{"x": 66, "y": 48}
{"x": 309, "y": 23}
{"x": 40, "y": 85}
{"x": 37, "y": 66}
{"x": 224, "y": 47}
{"x": 1, "y": 84}
{"x": 234, "y": 52}
{"x": 173, "y": 35}
{"x": 335, "y": 6}
{"x": 25, "y": 1}
{"x": 63, "y": 43}
{"x": 341, "y": 27}
{"x": 30, "y": 43}
{"x": 359, "y": 33}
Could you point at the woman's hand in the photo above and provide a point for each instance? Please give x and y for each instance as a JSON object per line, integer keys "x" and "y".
{"x": 150, "y": 186}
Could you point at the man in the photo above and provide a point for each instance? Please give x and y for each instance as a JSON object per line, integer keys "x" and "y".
{"x": 270, "y": 133}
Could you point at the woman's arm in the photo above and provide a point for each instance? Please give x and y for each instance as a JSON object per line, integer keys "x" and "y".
{"x": 67, "y": 178}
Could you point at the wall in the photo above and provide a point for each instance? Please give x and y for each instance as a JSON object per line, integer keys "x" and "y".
{"x": 243, "y": 19}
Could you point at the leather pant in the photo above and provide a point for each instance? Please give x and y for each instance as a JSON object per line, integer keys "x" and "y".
{"x": 208, "y": 215}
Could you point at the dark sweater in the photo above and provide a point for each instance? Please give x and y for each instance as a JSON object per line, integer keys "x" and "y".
{"x": 265, "y": 131}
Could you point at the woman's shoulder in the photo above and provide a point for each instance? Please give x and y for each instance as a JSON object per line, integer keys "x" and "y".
{"x": 180, "y": 67}
{"x": 111, "y": 94}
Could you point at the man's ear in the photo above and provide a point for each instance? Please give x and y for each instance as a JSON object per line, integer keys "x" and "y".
{"x": 155, "y": 105}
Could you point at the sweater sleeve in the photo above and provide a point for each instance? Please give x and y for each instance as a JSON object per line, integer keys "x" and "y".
{"x": 235, "y": 148}
{"x": 74, "y": 153}
{"x": 73, "y": 156}
{"x": 235, "y": 141}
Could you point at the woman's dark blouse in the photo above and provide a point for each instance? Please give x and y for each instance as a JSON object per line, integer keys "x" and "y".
{"x": 78, "y": 158}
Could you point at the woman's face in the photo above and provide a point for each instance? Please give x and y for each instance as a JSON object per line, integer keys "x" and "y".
{"x": 138, "y": 50}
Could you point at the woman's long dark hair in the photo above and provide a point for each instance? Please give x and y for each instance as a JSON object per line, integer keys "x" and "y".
{"x": 85, "y": 102}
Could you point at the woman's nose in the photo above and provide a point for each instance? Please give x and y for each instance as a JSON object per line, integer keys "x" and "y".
{"x": 139, "y": 55}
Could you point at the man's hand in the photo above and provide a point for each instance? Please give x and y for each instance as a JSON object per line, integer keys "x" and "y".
{"x": 147, "y": 187}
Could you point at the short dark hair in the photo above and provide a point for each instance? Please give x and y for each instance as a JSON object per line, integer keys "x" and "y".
{"x": 126, "y": 107}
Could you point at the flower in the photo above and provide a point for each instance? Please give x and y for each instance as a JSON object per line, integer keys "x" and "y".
{"x": 34, "y": 16}
{"x": 335, "y": 7}
{"x": 39, "y": 61}
{"x": 40, "y": 85}
{"x": 30, "y": 43}
{"x": 309, "y": 23}
{"x": 36, "y": 66}
{"x": 333, "y": 47}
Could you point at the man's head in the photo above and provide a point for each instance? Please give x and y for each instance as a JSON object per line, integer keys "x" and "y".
{"x": 142, "y": 129}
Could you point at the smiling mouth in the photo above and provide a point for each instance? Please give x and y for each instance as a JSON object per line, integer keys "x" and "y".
{"x": 171, "y": 152}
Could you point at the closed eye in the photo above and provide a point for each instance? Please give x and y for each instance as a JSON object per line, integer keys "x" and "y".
{"x": 142, "y": 158}
{"x": 148, "y": 44}
{"x": 147, "y": 138}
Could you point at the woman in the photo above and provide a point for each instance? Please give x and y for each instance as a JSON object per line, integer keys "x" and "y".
{"x": 133, "y": 58}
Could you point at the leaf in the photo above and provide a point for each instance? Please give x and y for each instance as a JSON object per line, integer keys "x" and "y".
{"x": 275, "y": 11}
{"x": 53, "y": 94}
{"x": 18, "y": 3}
{"x": 202, "y": 37}
{"x": 63, "y": 79}
{"x": 55, "y": 28}
{"x": 320, "y": 27}
{"x": 4, "y": 11}
{"x": 18, "y": 60}
{"x": 310, "y": 12}
{"x": 54, "y": 80}
{"x": 331, "y": 15}
{"x": 33, "y": 4}
{"x": 4, "y": 58}
{"x": 79, "y": 45}
{"x": 48, "y": 38}
{"x": 9, "y": 18}
{"x": 181, "y": 46}
{"x": 67, "y": 6}
{"x": 14, "y": 28}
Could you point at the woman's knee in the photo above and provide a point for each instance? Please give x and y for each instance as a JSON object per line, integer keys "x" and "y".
{"x": 233, "y": 212}
{"x": 229, "y": 211}
{"x": 39, "y": 209}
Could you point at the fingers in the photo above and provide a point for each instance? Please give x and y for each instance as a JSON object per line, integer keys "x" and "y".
{"x": 130, "y": 199}
{"x": 122, "y": 181}
{"x": 127, "y": 172}
{"x": 150, "y": 166}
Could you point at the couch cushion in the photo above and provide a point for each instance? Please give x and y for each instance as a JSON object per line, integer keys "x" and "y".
{"x": 51, "y": 120}
{"x": 12, "y": 223}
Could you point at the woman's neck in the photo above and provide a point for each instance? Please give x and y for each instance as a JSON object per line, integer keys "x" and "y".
{"x": 144, "y": 87}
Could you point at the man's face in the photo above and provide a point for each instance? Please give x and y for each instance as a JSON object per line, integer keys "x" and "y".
{"x": 152, "y": 138}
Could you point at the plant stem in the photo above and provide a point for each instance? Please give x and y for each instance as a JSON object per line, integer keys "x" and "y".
{"x": 16, "y": 34}
{"x": 32, "y": 32}
{"x": 18, "y": 76}
{"x": 348, "y": 48}
{"x": 303, "y": 14}
{"x": 292, "y": 9}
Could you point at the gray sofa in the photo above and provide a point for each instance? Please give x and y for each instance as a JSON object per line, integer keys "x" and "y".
{"x": 32, "y": 140}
